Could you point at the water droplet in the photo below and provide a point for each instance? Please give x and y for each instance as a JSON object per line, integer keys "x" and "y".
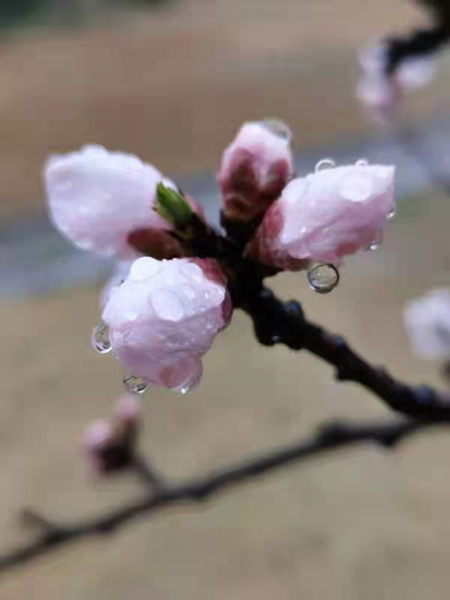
{"x": 392, "y": 214}
{"x": 362, "y": 162}
{"x": 325, "y": 163}
{"x": 374, "y": 246}
{"x": 134, "y": 384}
{"x": 144, "y": 268}
{"x": 167, "y": 304}
{"x": 323, "y": 278}
{"x": 279, "y": 128}
{"x": 100, "y": 339}
{"x": 191, "y": 383}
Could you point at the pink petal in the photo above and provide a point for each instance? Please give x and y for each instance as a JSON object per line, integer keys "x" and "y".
{"x": 325, "y": 216}
{"x": 164, "y": 318}
{"x": 97, "y": 198}
{"x": 254, "y": 169}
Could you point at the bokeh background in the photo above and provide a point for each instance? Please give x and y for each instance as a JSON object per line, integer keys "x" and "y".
{"x": 172, "y": 82}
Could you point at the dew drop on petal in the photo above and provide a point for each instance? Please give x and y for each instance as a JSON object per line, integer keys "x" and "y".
{"x": 168, "y": 305}
{"x": 325, "y": 163}
{"x": 144, "y": 268}
{"x": 391, "y": 214}
{"x": 323, "y": 278}
{"x": 100, "y": 339}
{"x": 362, "y": 162}
{"x": 188, "y": 291}
{"x": 356, "y": 188}
{"x": 134, "y": 384}
{"x": 191, "y": 383}
{"x": 278, "y": 128}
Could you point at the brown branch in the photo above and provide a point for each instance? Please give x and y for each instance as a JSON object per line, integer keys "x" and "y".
{"x": 328, "y": 437}
{"x": 284, "y": 322}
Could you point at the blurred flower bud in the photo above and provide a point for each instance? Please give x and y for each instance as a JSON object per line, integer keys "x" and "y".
{"x": 254, "y": 169}
{"x": 379, "y": 90}
{"x": 325, "y": 216}
{"x": 427, "y": 322}
{"x": 164, "y": 318}
{"x": 109, "y": 444}
{"x": 104, "y": 202}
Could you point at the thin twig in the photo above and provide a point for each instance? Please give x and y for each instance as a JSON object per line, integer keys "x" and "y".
{"x": 148, "y": 474}
{"x": 329, "y": 437}
{"x": 284, "y": 322}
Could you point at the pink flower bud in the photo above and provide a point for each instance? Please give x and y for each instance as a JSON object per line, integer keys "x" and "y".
{"x": 380, "y": 95}
{"x": 118, "y": 276}
{"x": 325, "y": 216}
{"x": 109, "y": 443}
{"x": 103, "y": 201}
{"x": 427, "y": 322}
{"x": 381, "y": 92}
{"x": 129, "y": 411}
{"x": 254, "y": 169}
{"x": 164, "y": 318}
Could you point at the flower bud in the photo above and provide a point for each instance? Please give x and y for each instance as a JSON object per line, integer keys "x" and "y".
{"x": 254, "y": 169}
{"x": 164, "y": 318}
{"x": 427, "y": 322}
{"x": 325, "y": 216}
{"x": 109, "y": 444}
{"x": 104, "y": 202}
{"x": 379, "y": 90}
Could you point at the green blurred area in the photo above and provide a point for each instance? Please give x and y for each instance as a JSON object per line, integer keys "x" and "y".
{"x": 14, "y": 13}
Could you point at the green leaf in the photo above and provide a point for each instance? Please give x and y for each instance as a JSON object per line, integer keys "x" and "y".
{"x": 172, "y": 206}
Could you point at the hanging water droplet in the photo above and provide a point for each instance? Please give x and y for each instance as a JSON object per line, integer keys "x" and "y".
{"x": 279, "y": 128}
{"x": 323, "y": 278}
{"x": 362, "y": 162}
{"x": 134, "y": 384}
{"x": 100, "y": 339}
{"x": 374, "y": 246}
{"x": 391, "y": 214}
{"x": 191, "y": 383}
{"x": 325, "y": 163}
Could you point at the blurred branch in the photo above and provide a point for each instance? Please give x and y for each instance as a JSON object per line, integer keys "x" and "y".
{"x": 274, "y": 322}
{"x": 331, "y": 436}
{"x": 420, "y": 43}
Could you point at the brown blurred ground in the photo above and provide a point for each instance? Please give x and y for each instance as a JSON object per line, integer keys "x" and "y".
{"x": 174, "y": 85}
{"x": 362, "y": 525}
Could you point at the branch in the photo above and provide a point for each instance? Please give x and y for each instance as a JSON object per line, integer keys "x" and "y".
{"x": 329, "y": 437}
{"x": 284, "y": 322}
{"x": 418, "y": 44}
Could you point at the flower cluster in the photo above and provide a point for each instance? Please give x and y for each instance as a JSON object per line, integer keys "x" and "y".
{"x": 171, "y": 295}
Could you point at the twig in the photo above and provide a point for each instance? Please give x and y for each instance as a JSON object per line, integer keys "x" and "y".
{"x": 418, "y": 44}
{"x": 329, "y": 437}
{"x": 284, "y": 322}
{"x": 148, "y": 474}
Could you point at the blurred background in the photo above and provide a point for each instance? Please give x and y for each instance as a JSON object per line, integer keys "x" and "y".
{"x": 172, "y": 80}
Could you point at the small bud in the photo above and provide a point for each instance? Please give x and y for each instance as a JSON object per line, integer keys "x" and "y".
{"x": 109, "y": 444}
{"x": 427, "y": 322}
{"x": 380, "y": 91}
{"x": 254, "y": 169}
